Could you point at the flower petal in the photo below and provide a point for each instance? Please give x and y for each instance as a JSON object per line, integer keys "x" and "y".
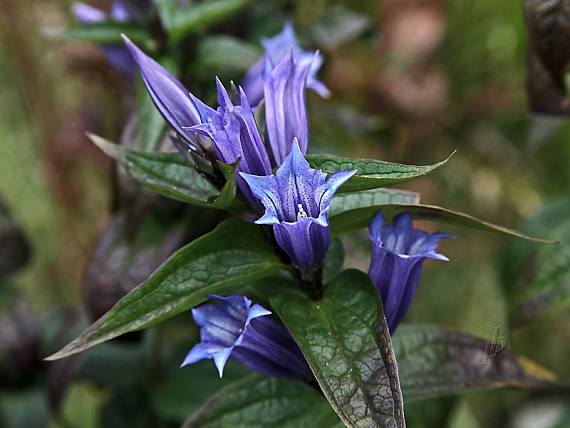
{"x": 172, "y": 100}
{"x": 220, "y": 359}
{"x": 265, "y": 189}
{"x": 285, "y": 109}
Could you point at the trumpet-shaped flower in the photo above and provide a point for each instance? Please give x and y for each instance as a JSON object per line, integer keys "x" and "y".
{"x": 170, "y": 97}
{"x": 398, "y": 253}
{"x": 276, "y": 48}
{"x": 234, "y": 134}
{"x": 232, "y": 128}
{"x": 234, "y": 327}
{"x": 296, "y": 200}
{"x": 285, "y": 107}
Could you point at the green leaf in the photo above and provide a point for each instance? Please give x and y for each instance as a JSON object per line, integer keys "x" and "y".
{"x": 197, "y": 16}
{"x": 226, "y": 52}
{"x": 334, "y": 259}
{"x": 371, "y": 174}
{"x": 345, "y": 340}
{"x": 371, "y": 198}
{"x": 171, "y": 175}
{"x": 228, "y": 194}
{"x": 359, "y": 218}
{"x": 265, "y": 402}
{"x": 222, "y": 261}
{"x": 435, "y": 361}
{"x": 107, "y": 32}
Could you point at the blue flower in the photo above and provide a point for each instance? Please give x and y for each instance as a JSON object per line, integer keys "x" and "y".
{"x": 398, "y": 253}
{"x": 170, "y": 97}
{"x": 296, "y": 200}
{"x": 285, "y": 107}
{"x": 118, "y": 56}
{"x": 234, "y": 134}
{"x": 234, "y": 327}
{"x": 276, "y": 48}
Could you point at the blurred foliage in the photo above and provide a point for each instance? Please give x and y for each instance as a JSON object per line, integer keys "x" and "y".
{"x": 411, "y": 82}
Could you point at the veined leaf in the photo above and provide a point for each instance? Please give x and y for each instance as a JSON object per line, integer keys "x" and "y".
{"x": 345, "y": 340}
{"x": 107, "y": 32}
{"x": 435, "y": 361}
{"x": 171, "y": 175}
{"x": 222, "y": 261}
{"x": 197, "y": 16}
{"x": 371, "y": 174}
{"x": 342, "y": 202}
{"x": 359, "y": 218}
{"x": 262, "y": 402}
{"x": 334, "y": 259}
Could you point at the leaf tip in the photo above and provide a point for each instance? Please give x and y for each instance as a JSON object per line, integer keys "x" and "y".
{"x": 107, "y": 147}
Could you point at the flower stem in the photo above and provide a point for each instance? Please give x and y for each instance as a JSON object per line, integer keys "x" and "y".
{"x": 311, "y": 282}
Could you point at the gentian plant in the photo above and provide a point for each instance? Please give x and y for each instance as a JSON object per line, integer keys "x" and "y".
{"x": 266, "y": 286}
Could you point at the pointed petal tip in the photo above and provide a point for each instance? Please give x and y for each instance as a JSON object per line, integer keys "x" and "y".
{"x": 442, "y": 257}
{"x": 129, "y": 42}
{"x": 220, "y": 359}
{"x": 257, "y": 311}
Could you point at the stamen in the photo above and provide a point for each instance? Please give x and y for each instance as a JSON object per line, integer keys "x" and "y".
{"x": 301, "y": 214}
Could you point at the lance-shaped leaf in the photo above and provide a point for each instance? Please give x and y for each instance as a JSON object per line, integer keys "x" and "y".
{"x": 371, "y": 174}
{"x": 262, "y": 402}
{"x": 221, "y": 262}
{"x": 434, "y": 361}
{"x": 345, "y": 340}
{"x": 197, "y": 16}
{"x": 370, "y": 198}
{"x": 106, "y": 32}
{"x": 360, "y": 217}
{"x": 171, "y": 175}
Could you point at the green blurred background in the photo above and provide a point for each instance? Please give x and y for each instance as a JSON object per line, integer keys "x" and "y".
{"x": 411, "y": 82}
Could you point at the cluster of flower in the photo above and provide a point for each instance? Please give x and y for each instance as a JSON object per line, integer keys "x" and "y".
{"x": 295, "y": 199}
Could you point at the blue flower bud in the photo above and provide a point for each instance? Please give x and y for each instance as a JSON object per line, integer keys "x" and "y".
{"x": 398, "y": 253}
